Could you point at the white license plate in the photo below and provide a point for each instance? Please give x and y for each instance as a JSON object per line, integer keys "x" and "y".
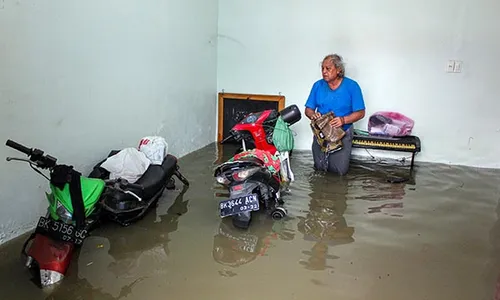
{"x": 239, "y": 205}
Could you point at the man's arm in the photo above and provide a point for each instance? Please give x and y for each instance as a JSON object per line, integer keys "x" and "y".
{"x": 354, "y": 117}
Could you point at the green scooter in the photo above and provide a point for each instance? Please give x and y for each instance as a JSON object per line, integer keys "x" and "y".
{"x": 78, "y": 203}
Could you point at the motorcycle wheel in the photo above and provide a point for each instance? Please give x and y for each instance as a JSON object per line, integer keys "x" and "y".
{"x": 279, "y": 213}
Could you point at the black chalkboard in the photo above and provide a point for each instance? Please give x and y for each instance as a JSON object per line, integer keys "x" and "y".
{"x": 233, "y": 107}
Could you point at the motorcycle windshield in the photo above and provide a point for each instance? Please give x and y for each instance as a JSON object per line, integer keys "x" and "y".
{"x": 91, "y": 192}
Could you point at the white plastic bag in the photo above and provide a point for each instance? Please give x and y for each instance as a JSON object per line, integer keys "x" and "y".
{"x": 286, "y": 168}
{"x": 128, "y": 164}
{"x": 155, "y": 148}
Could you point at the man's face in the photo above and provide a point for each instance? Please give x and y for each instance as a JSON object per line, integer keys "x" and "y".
{"x": 328, "y": 71}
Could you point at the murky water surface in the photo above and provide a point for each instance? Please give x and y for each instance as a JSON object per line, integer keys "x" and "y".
{"x": 357, "y": 237}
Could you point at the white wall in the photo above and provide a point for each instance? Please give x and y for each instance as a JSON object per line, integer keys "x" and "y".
{"x": 78, "y": 78}
{"x": 396, "y": 50}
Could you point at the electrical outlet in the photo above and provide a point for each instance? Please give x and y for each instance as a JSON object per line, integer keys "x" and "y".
{"x": 450, "y": 67}
{"x": 458, "y": 66}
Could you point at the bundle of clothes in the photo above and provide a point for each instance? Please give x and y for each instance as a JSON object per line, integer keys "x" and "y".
{"x": 271, "y": 162}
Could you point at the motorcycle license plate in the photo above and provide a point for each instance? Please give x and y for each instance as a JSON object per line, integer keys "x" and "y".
{"x": 61, "y": 231}
{"x": 238, "y": 205}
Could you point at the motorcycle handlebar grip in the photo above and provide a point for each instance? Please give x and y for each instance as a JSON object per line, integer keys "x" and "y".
{"x": 18, "y": 147}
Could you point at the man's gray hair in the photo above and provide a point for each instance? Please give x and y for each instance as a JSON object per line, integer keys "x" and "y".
{"x": 337, "y": 62}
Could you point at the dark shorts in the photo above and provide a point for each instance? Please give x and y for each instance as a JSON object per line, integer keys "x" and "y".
{"x": 336, "y": 162}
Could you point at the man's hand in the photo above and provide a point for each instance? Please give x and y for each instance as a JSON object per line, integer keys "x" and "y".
{"x": 315, "y": 115}
{"x": 311, "y": 114}
{"x": 337, "y": 122}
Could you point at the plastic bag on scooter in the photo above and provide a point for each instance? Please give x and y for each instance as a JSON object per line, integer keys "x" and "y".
{"x": 128, "y": 164}
{"x": 155, "y": 148}
{"x": 282, "y": 136}
{"x": 388, "y": 123}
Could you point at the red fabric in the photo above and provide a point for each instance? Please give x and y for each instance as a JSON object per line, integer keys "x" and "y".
{"x": 270, "y": 161}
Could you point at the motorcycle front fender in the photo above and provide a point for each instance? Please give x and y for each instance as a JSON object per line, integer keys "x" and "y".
{"x": 49, "y": 258}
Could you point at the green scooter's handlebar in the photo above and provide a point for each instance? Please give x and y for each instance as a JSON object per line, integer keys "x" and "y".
{"x": 35, "y": 155}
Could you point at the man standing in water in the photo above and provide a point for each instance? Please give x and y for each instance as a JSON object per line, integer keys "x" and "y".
{"x": 341, "y": 95}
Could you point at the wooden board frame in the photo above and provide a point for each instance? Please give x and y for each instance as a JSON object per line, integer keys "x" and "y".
{"x": 238, "y": 96}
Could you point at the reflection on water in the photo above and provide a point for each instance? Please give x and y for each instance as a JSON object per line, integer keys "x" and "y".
{"x": 434, "y": 236}
{"x": 235, "y": 247}
{"x": 324, "y": 222}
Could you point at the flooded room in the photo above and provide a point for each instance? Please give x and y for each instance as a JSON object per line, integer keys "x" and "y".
{"x": 226, "y": 149}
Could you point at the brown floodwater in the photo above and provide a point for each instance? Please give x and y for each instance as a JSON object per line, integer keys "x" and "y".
{"x": 436, "y": 236}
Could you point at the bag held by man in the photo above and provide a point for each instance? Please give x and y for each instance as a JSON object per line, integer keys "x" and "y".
{"x": 329, "y": 138}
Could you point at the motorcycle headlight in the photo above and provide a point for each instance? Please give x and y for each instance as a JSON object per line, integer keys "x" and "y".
{"x": 63, "y": 213}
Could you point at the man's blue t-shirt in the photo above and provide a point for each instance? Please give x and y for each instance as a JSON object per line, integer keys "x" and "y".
{"x": 343, "y": 101}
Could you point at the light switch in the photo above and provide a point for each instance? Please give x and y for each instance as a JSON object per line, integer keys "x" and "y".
{"x": 458, "y": 66}
{"x": 450, "y": 68}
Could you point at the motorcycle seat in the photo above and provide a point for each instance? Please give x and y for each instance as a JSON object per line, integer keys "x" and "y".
{"x": 152, "y": 180}
{"x": 156, "y": 176}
